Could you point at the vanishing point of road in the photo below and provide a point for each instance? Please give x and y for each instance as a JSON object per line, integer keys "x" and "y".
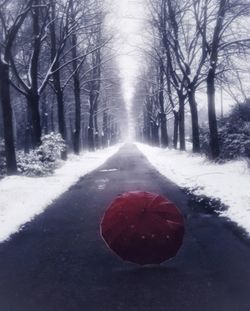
{"x": 58, "y": 262}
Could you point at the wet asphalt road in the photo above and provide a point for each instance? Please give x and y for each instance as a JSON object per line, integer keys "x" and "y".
{"x": 58, "y": 262}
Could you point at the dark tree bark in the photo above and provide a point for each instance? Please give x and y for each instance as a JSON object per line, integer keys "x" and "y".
{"x": 57, "y": 79}
{"x": 194, "y": 121}
{"x": 97, "y": 84}
{"x": 77, "y": 95}
{"x": 5, "y": 57}
{"x": 163, "y": 119}
{"x": 33, "y": 97}
{"x": 33, "y": 100}
{"x": 146, "y": 126}
{"x": 176, "y": 128}
{"x": 77, "y": 131}
{"x": 164, "y": 131}
{"x": 91, "y": 139}
{"x": 214, "y": 138}
{"x": 52, "y": 119}
{"x": 171, "y": 101}
{"x": 28, "y": 131}
{"x": 97, "y": 143}
{"x": 30, "y": 87}
{"x": 182, "y": 122}
{"x": 105, "y": 129}
{"x": 7, "y": 118}
{"x": 155, "y": 139}
{"x": 93, "y": 131}
{"x": 44, "y": 115}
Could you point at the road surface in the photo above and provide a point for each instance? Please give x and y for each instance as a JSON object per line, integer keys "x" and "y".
{"x": 59, "y": 262}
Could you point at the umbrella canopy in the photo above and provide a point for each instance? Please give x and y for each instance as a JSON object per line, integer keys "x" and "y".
{"x": 142, "y": 227}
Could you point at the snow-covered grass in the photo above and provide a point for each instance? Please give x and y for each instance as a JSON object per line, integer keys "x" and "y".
{"x": 229, "y": 182}
{"x": 22, "y": 198}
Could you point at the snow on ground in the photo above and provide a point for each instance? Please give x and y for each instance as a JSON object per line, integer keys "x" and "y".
{"x": 229, "y": 182}
{"x": 22, "y": 198}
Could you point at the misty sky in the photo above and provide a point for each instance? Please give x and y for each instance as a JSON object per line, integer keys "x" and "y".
{"x": 127, "y": 20}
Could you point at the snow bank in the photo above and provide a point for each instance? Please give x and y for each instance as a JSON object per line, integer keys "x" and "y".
{"x": 229, "y": 182}
{"x": 22, "y": 198}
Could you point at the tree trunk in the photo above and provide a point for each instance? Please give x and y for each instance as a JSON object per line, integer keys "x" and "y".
{"x": 91, "y": 143}
{"x": 77, "y": 95}
{"x": 182, "y": 122}
{"x": 176, "y": 127}
{"x": 163, "y": 119}
{"x": 33, "y": 97}
{"x": 83, "y": 136}
{"x": 52, "y": 119}
{"x": 61, "y": 117}
{"x": 7, "y": 119}
{"x": 28, "y": 131}
{"x": 146, "y": 126}
{"x": 195, "y": 122}
{"x": 96, "y": 131}
{"x": 214, "y": 138}
{"x": 44, "y": 115}
{"x": 96, "y": 87}
{"x": 77, "y": 130}
{"x": 164, "y": 130}
{"x": 155, "y": 140}
{"x": 57, "y": 81}
{"x": 33, "y": 102}
{"x": 5, "y": 91}
{"x": 60, "y": 111}
{"x": 105, "y": 130}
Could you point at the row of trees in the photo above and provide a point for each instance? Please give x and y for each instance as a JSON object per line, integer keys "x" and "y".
{"x": 193, "y": 47}
{"x": 56, "y": 74}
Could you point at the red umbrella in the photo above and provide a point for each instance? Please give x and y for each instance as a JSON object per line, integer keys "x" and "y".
{"x": 143, "y": 227}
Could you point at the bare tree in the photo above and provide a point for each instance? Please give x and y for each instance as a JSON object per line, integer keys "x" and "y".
{"x": 10, "y": 30}
{"x": 219, "y": 36}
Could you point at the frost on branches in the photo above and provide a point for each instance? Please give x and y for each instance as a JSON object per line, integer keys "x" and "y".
{"x": 43, "y": 160}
